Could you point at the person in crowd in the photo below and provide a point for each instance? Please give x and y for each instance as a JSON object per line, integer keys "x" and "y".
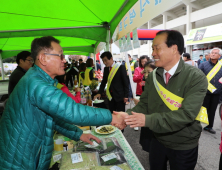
{"x": 65, "y": 89}
{"x": 68, "y": 75}
{"x": 176, "y": 130}
{"x": 117, "y": 83}
{"x": 139, "y": 74}
{"x": 201, "y": 60}
{"x": 212, "y": 97}
{"x": 24, "y": 61}
{"x": 220, "y": 162}
{"x": 123, "y": 62}
{"x": 89, "y": 73}
{"x": 207, "y": 56}
{"x": 148, "y": 68}
{"x": 133, "y": 64}
{"x": 82, "y": 69}
{"x": 98, "y": 66}
{"x": 36, "y": 108}
{"x": 146, "y": 134}
{"x": 74, "y": 69}
{"x": 80, "y": 61}
{"x": 187, "y": 59}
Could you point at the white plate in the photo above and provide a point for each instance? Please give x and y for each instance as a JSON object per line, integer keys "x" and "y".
{"x": 98, "y": 101}
{"x": 98, "y": 128}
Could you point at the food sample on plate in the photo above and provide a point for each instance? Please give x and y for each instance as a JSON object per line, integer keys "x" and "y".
{"x": 106, "y": 129}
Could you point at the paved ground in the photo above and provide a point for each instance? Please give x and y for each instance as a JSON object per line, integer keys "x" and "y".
{"x": 209, "y": 153}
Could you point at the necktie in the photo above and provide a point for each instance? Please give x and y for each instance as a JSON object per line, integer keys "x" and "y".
{"x": 110, "y": 69}
{"x": 167, "y": 77}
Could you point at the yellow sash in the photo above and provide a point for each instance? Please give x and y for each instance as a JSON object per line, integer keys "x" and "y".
{"x": 174, "y": 102}
{"x": 110, "y": 78}
{"x": 211, "y": 75}
{"x": 59, "y": 86}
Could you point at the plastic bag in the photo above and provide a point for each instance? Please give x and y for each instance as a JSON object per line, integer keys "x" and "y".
{"x": 112, "y": 158}
{"x": 86, "y": 147}
{"x": 79, "y": 160}
{"x": 122, "y": 166}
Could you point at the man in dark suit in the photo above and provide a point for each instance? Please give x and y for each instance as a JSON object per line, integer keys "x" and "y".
{"x": 118, "y": 86}
{"x": 24, "y": 61}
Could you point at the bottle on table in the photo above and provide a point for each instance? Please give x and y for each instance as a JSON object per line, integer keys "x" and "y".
{"x": 80, "y": 84}
{"x": 65, "y": 146}
{"x": 75, "y": 83}
{"x": 83, "y": 98}
{"x": 89, "y": 102}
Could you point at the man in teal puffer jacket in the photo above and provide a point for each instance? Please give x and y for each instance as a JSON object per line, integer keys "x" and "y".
{"x": 36, "y": 108}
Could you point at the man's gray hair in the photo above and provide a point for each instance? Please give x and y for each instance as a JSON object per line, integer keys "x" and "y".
{"x": 216, "y": 48}
{"x": 207, "y": 53}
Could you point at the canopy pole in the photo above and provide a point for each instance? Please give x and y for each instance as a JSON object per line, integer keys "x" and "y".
{"x": 107, "y": 39}
{"x": 130, "y": 74}
{"x": 95, "y": 59}
{"x": 1, "y": 65}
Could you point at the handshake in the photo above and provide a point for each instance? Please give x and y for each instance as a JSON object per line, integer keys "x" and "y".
{"x": 122, "y": 119}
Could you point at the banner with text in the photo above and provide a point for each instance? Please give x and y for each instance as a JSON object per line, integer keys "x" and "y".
{"x": 142, "y": 12}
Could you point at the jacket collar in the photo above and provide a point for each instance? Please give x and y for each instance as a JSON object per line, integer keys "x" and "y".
{"x": 212, "y": 62}
{"x": 45, "y": 76}
{"x": 160, "y": 70}
{"x": 20, "y": 68}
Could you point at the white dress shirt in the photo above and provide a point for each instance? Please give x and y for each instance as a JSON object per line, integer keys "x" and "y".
{"x": 171, "y": 71}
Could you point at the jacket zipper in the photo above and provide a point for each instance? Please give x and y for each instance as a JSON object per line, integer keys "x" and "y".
{"x": 37, "y": 156}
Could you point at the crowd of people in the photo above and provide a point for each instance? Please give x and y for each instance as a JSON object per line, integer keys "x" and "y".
{"x": 172, "y": 90}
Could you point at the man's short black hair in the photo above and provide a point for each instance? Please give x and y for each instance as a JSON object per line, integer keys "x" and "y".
{"x": 186, "y": 55}
{"x": 39, "y": 44}
{"x": 201, "y": 55}
{"x": 80, "y": 59}
{"x": 22, "y": 55}
{"x": 106, "y": 54}
{"x": 174, "y": 38}
{"x": 129, "y": 55}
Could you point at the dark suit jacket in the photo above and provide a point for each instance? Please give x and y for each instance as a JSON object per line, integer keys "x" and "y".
{"x": 119, "y": 85}
{"x": 16, "y": 75}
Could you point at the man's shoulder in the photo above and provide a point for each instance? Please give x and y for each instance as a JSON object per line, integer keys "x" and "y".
{"x": 17, "y": 73}
{"x": 194, "y": 71}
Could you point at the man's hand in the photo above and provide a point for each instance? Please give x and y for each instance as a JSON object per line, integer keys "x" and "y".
{"x": 125, "y": 100}
{"x": 97, "y": 96}
{"x": 87, "y": 137}
{"x": 118, "y": 119}
{"x": 136, "y": 101}
{"x": 135, "y": 120}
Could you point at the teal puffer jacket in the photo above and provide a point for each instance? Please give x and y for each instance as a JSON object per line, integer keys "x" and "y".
{"x": 34, "y": 110}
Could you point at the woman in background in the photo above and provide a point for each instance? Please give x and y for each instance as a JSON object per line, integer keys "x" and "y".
{"x": 89, "y": 73}
{"x": 139, "y": 74}
{"x": 82, "y": 69}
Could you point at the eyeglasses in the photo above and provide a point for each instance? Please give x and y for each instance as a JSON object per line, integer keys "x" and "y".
{"x": 62, "y": 56}
{"x": 31, "y": 61}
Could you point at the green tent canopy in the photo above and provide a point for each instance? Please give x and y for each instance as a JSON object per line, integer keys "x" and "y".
{"x": 80, "y": 25}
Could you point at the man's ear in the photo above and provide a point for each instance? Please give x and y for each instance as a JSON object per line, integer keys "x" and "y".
{"x": 21, "y": 61}
{"x": 175, "y": 49}
{"x": 42, "y": 59}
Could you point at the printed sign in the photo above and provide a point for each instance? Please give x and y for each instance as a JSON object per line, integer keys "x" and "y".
{"x": 136, "y": 43}
{"x": 141, "y": 12}
{"x": 129, "y": 45}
